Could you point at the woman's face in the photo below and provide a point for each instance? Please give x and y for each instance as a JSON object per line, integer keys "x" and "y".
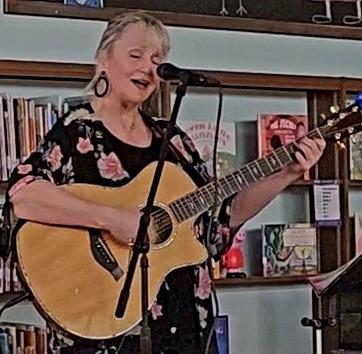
{"x": 131, "y": 65}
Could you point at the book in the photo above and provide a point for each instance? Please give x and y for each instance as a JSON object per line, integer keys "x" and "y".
{"x": 355, "y": 156}
{"x": 344, "y": 278}
{"x": 85, "y": 3}
{"x": 202, "y": 133}
{"x": 289, "y": 249}
{"x": 358, "y": 232}
{"x": 222, "y": 333}
{"x": 276, "y": 130}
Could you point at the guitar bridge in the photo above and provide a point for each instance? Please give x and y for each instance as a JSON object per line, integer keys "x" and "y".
{"x": 103, "y": 254}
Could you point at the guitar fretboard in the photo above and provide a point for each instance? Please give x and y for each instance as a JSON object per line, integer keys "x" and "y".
{"x": 203, "y": 198}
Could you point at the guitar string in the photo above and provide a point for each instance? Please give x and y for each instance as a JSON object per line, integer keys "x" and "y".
{"x": 229, "y": 180}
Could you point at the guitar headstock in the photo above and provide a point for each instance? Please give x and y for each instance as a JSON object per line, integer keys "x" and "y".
{"x": 345, "y": 122}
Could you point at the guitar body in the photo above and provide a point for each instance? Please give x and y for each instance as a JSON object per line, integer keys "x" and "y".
{"x": 74, "y": 291}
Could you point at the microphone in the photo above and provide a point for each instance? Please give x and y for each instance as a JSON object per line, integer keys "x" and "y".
{"x": 167, "y": 71}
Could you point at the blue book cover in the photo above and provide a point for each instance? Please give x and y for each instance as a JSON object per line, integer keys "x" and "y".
{"x": 222, "y": 333}
{"x": 85, "y": 3}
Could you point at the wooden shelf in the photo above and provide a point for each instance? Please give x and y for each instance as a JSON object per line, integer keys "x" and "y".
{"x": 38, "y": 70}
{"x": 112, "y": 8}
{"x": 261, "y": 281}
{"x": 355, "y": 183}
{"x": 42, "y": 70}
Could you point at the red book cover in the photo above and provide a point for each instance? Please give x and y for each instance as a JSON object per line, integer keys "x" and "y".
{"x": 276, "y": 130}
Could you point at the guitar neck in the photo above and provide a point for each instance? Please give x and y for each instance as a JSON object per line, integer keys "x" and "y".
{"x": 202, "y": 199}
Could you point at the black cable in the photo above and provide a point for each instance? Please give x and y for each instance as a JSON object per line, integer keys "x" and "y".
{"x": 213, "y": 213}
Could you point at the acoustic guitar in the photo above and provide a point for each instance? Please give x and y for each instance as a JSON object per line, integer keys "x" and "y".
{"x": 76, "y": 275}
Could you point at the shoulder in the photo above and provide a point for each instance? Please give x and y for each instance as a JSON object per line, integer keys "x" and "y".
{"x": 80, "y": 115}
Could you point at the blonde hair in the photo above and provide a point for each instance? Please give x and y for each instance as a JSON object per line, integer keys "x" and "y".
{"x": 117, "y": 24}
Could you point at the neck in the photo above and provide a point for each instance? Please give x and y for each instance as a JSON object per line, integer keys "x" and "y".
{"x": 111, "y": 111}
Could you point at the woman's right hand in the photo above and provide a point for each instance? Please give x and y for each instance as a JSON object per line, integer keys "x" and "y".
{"x": 122, "y": 224}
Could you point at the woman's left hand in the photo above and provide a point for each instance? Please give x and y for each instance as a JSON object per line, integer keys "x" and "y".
{"x": 310, "y": 152}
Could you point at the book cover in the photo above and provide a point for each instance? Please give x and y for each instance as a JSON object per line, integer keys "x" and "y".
{"x": 202, "y": 134}
{"x": 358, "y": 233}
{"x": 85, "y": 3}
{"x": 355, "y": 156}
{"x": 289, "y": 249}
{"x": 276, "y": 130}
{"x": 222, "y": 333}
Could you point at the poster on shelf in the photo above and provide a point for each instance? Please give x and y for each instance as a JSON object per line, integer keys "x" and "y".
{"x": 327, "y": 202}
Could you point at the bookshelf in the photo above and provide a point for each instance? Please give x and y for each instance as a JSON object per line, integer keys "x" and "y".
{"x": 321, "y": 93}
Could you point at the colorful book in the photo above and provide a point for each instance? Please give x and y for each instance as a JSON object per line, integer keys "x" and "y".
{"x": 203, "y": 135}
{"x": 355, "y": 156}
{"x": 289, "y": 249}
{"x": 276, "y": 130}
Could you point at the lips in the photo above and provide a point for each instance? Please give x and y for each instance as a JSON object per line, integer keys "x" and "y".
{"x": 141, "y": 84}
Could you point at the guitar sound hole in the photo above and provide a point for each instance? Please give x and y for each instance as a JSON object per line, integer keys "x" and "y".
{"x": 161, "y": 226}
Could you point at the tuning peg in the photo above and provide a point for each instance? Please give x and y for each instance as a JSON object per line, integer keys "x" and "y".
{"x": 337, "y": 136}
{"x": 330, "y": 122}
{"x": 342, "y": 115}
{"x": 334, "y": 109}
{"x": 355, "y": 108}
{"x": 350, "y": 130}
{"x": 323, "y": 116}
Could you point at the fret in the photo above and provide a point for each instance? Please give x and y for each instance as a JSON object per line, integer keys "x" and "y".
{"x": 256, "y": 169}
{"x": 283, "y": 157}
{"x": 185, "y": 207}
{"x": 277, "y": 159}
{"x": 191, "y": 204}
{"x": 228, "y": 188}
{"x": 234, "y": 183}
{"x": 202, "y": 200}
{"x": 269, "y": 165}
{"x": 238, "y": 177}
{"x": 265, "y": 167}
{"x": 180, "y": 212}
{"x": 251, "y": 173}
{"x": 209, "y": 196}
{"x": 224, "y": 193}
{"x": 288, "y": 154}
{"x": 244, "y": 174}
{"x": 175, "y": 212}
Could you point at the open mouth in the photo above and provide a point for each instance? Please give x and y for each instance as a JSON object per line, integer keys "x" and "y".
{"x": 141, "y": 84}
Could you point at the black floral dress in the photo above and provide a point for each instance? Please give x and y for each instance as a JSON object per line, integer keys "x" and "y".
{"x": 79, "y": 149}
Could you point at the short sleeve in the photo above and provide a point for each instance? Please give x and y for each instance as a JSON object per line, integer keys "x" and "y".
{"x": 51, "y": 161}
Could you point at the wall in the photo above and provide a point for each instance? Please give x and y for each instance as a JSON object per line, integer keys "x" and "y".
{"x": 264, "y": 320}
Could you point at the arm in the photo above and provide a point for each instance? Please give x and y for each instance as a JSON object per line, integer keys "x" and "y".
{"x": 42, "y": 201}
{"x": 261, "y": 193}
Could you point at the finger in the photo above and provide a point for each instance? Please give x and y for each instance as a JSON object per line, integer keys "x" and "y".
{"x": 301, "y": 161}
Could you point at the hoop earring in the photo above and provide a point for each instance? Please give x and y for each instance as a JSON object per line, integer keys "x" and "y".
{"x": 102, "y": 80}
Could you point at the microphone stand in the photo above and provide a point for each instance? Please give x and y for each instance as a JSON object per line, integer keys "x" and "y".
{"x": 142, "y": 244}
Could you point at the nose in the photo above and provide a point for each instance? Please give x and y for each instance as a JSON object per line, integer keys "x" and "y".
{"x": 149, "y": 68}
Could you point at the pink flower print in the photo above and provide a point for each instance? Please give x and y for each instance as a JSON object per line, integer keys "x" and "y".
{"x": 110, "y": 167}
{"x": 24, "y": 169}
{"x": 20, "y": 184}
{"x": 204, "y": 287}
{"x": 156, "y": 310}
{"x": 84, "y": 145}
{"x": 55, "y": 158}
